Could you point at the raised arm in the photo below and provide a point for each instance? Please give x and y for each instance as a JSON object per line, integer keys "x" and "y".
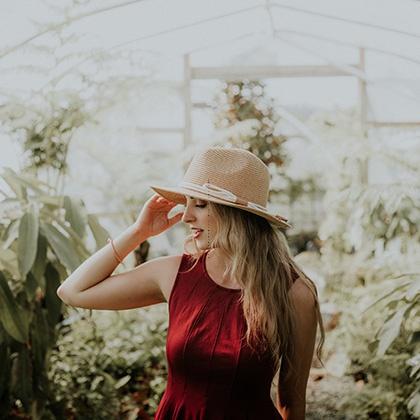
{"x": 92, "y": 286}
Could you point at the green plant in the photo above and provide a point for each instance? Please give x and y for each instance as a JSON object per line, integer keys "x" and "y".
{"x": 45, "y": 131}
{"x": 402, "y": 301}
{"x": 383, "y": 385}
{"x": 246, "y": 117}
{"x": 370, "y": 254}
{"x": 42, "y": 240}
{"x": 246, "y": 101}
{"x": 111, "y": 364}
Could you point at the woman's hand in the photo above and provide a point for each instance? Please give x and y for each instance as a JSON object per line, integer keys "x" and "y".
{"x": 153, "y": 218}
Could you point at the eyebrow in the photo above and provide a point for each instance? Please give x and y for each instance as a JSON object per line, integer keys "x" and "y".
{"x": 197, "y": 199}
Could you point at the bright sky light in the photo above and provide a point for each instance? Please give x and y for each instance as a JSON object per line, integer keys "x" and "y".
{"x": 219, "y": 33}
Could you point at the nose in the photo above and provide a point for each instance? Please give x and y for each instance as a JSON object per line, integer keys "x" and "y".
{"x": 188, "y": 216}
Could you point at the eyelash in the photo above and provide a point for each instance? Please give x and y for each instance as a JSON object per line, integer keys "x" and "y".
{"x": 200, "y": 205}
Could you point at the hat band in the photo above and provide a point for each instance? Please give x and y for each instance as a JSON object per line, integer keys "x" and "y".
{"x": 222, "y": 193}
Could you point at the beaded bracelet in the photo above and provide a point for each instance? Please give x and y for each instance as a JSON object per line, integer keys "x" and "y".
{"x": 117, "y": 256}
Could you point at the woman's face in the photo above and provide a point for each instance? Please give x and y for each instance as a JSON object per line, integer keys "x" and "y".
{"x": 198, "y": 216}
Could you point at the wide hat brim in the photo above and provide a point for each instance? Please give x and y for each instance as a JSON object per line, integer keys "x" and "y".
{"x": 178, "y": 194}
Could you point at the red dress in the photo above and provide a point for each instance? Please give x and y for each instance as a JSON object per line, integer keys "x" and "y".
{"x": 211, "y": 374}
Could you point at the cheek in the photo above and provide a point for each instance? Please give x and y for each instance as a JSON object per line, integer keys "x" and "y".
{"x": 211, "y": 226}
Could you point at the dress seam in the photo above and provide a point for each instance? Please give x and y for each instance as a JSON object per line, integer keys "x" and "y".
{"x": 214, "y": 347}
{"x": 176, "y": 281}
{"x": 238, "y": 357}
{"x": 192, "y": 326}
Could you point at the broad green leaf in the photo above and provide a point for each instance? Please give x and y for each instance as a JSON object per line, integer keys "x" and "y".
{"x": 40, "y": 339}
{"x": 4, "y": 337}
{"x": 21, "y": 299}
{"x": 79, "y": 244}
{"x": 391, "y": 329}
{"x": 413, "y": 290}
{"x": 33, "y": 182}
{"x": 8, "y": 262}
{"x": 388, "y": 292}
{"x": 28, "y": 241}
{"x": 75, "y": 215}
{"x": 60, "y": 269}
{"x": 52, "y": 301}
{"x": 4, "y": 368}
{"x": 99, "y": 232}
{"x": 414, "y": 370}
{"x": 26, "y": 181}
{"x": 31, "y": 285}
{"x": 23, "y": 386}
{"x": 62, "y": 246}
{"x": 372, "y": 345}
{"x": 396, "y": 299}
{"x": 14, "y": 319}
{"x": 38, "y": 267}
{"x": 72, "y": 234}
{"x": 54, "y": 201}
{"x": 15, "y": 186}
{"x": 414, "y": 404}
{"x": 11, "y": 233}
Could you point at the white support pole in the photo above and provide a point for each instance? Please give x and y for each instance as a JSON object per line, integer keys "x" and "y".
{"x": 364, "y": 165}
{"x": 187, "y": 101}
{"x": 362, "y": 92}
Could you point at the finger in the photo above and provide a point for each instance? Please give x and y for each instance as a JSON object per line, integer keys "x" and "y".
{"x": 155, "y": 198}
{"x": 168, "y": 202}
{"x": 164, "y": 201}
{"x": 176, "y": 218}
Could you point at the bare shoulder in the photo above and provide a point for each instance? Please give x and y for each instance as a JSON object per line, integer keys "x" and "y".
{"x": 301, "y": 293}
{"x": 166, "y": 271}
{"x": 294, "y": 370}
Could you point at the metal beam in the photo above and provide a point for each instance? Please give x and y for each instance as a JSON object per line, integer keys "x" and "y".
{"x": 202, "y": 105}
{"x": 161, "y": 130}
{"x": 398, "y": 124}
{"x": 232, "y": 73}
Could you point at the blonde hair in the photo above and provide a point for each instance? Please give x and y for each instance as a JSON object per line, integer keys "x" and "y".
{"x": 261, "y": 263}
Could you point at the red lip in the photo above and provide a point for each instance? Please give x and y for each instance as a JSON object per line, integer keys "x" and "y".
{"x": 197, "y": 233}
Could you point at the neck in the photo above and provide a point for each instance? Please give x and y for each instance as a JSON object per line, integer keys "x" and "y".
{"x": 217, "y": 254}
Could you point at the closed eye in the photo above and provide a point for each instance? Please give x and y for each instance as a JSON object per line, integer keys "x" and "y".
{"x": 197, "y": 205}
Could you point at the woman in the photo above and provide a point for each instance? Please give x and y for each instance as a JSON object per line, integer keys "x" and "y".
{"x": 239, "y": 306}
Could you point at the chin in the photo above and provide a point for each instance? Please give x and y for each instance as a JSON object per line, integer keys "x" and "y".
{"x": 195, "y": 245}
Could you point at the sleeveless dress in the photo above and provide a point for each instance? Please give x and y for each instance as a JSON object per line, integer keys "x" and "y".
{"x": 212, "y": 374}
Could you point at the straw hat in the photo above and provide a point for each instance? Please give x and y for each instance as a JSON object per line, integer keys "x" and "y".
{"x": 230, "y": 176}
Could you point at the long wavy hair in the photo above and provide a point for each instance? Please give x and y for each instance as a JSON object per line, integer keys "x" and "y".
{"x": 261, "y": 263}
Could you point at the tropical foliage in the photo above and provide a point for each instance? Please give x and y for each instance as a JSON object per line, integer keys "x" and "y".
{"x": 42, "y": 237}
{"x": 370, "y": 246}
